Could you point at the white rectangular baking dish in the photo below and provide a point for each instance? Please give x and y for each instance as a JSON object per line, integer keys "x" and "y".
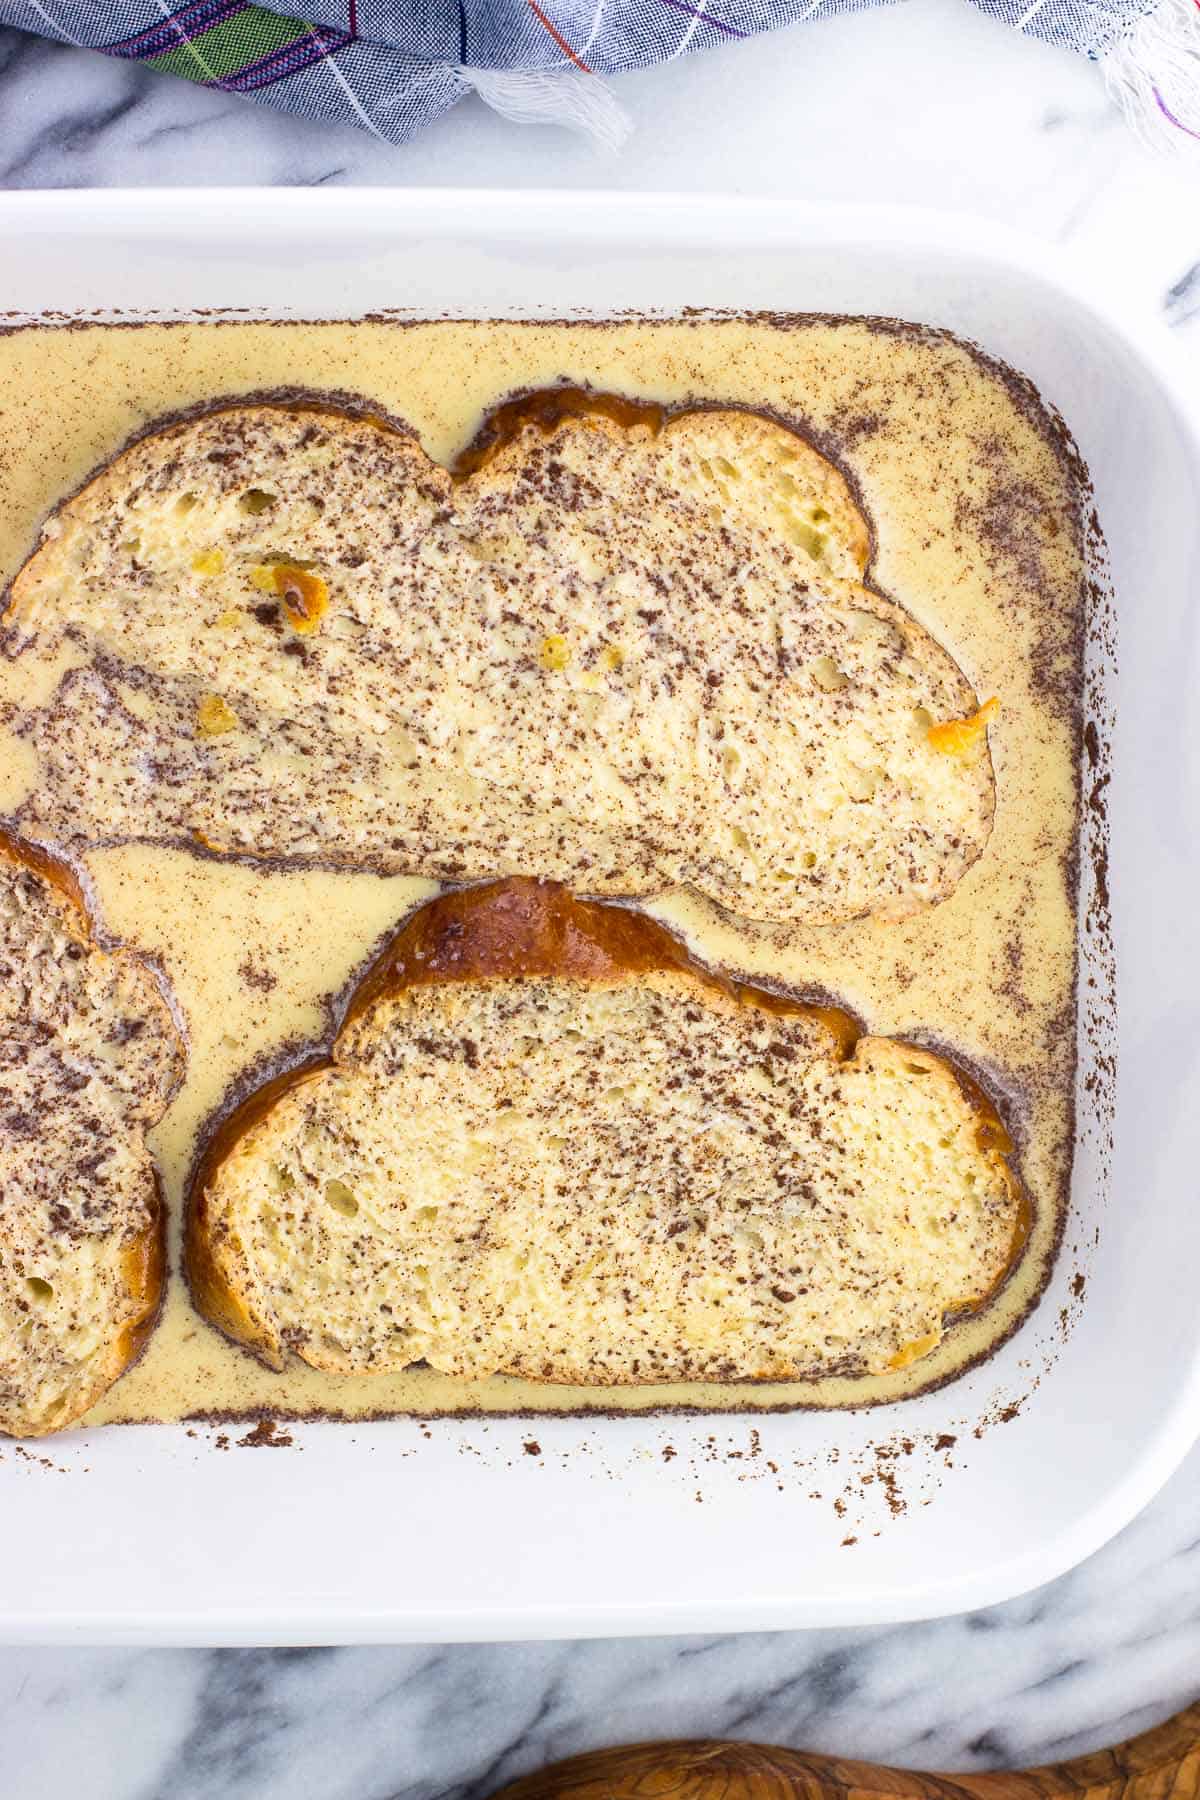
{"x": 507, "y": 1530}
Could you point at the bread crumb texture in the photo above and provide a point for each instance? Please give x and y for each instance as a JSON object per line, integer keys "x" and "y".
{"x": 626, "y": 656}
{"x": 626, "y": 1178}
{"x": 88, "y": 1057}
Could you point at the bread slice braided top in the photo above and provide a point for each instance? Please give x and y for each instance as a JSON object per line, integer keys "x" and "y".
{"x": 621, "y": 648}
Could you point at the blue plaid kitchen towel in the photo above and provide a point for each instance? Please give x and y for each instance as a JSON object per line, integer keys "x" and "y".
{"x": 393, "y": 66}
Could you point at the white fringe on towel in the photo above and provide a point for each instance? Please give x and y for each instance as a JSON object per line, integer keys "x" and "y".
{"x": 1153, "y": 73}
{"x": 569, "y": 97}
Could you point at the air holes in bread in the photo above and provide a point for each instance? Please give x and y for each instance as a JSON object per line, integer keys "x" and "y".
{"x": 341, "y": 1198}
{"x": 255, "y": 501}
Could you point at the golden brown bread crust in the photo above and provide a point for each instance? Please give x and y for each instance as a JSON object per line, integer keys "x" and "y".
{"x": 521, "y": 928}
{"x": 51, "y": 868}
{"x": 548, "y": 408}
{"x": 143, "y": 1265}
{"x": 211, "y": 1293}
{"x": 145, "y": 1277}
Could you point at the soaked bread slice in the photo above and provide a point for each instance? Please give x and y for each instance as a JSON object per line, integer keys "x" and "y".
{"x": 547, "y": 1144}
{"x": 89, "y": 1055}
{"x": 621, "y": 648}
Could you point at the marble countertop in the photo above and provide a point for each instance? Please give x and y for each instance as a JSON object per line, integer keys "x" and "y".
{"x": 1102, "y": 1653}
{"x": 926, "y": 103}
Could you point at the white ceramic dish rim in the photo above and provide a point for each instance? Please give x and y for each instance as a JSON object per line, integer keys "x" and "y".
{"x": 585, "y": 221}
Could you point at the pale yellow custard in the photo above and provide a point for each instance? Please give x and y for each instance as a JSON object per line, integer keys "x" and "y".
{"x": 973, "y": 506}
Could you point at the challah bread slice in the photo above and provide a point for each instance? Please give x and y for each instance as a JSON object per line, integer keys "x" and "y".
{"x": 622, "y": 648}
{"x": 89, "y": 1056}
{"x": 548, "y": 1144}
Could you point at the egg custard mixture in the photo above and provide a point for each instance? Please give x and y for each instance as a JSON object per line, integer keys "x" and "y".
{"x": 974, "y": 501}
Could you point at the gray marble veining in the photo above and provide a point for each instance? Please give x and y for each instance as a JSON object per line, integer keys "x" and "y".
{"x": 1107, "y": 1651}
{"x": 1182, "y": 301}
